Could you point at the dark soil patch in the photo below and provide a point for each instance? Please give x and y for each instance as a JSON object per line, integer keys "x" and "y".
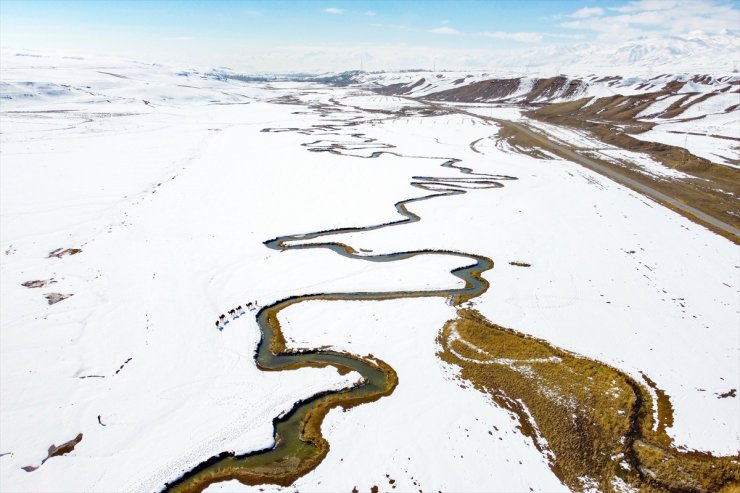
{"x": 38, "y": 283}
{"x": 56, "y": 297}
{"x": 61, "y": 252}
{"x": 57, "y": 450}
{"x": 520, "y": 264}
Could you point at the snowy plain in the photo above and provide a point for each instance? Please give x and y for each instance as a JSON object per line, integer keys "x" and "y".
{"x": 614, "y": 275}
{"x": 166, "y": 182}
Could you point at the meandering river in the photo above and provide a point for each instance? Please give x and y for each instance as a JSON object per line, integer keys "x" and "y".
{"x": 299, "y": 446}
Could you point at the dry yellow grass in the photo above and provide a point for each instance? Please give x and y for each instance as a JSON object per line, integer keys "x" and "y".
{"x": 597, "y": 421}
{"x": 292, "y": 456}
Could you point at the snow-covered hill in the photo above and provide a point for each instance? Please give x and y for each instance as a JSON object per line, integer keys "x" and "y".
{"x": 30, "y": 79}
{"x": 671, "y": 106}
{"x": 491, "y": 87}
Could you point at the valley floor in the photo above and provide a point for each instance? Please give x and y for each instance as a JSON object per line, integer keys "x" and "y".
{"x": 169, "y": 184}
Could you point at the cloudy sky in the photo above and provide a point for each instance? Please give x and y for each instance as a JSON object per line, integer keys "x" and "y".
{"x": 308, "y": 35}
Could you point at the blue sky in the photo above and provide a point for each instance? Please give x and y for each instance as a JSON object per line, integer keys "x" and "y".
{"x": 335, "y": 35}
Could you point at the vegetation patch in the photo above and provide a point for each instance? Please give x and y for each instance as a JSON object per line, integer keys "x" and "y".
{"x": 299, "y": 445}
{"x": 522, "y": 142}
{"x": 518, "y": 263}
{"x": 593, "y": 422}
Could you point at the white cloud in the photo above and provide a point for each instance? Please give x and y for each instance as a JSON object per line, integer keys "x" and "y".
{"x": 444, "y": 30}
{"x": 333, "y": 10}
{"x": 587, "y": 12}
{"x": 645, "y": 5}
{"x": 658, "y": 17}
{"x": 522, "y": 37}
{"x": 607, "y": 41}
{"x": 369, "y": 13}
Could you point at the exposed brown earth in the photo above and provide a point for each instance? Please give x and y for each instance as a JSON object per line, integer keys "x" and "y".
{"x": 501, "y": 89}
{"x": 61, "y": 252}
{"x": 37, "y": 283}
{"x": 554, "y": 86}
{"x": 401, "y": 88}
{"x": 57, "y": 450}
{"x": 522, "y": 142}
{"x": 56, "y": 297}
{"x": 487, "y": 89}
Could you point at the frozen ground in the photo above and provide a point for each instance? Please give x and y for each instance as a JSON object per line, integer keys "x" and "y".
{"x": 163, "y": 178}
{"x": 612, "y": 279}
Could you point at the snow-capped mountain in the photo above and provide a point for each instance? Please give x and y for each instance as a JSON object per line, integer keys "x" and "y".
{"x": 696, "y": 52}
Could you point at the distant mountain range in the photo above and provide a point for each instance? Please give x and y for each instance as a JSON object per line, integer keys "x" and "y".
{"x": 716, "y": 55}
{"x": 698, "y": 52}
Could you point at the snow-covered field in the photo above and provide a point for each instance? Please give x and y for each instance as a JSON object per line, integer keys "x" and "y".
{"x": 708, "y": 123}
{"x": 164, "y": 179}
{"x": 707, "y": 129}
